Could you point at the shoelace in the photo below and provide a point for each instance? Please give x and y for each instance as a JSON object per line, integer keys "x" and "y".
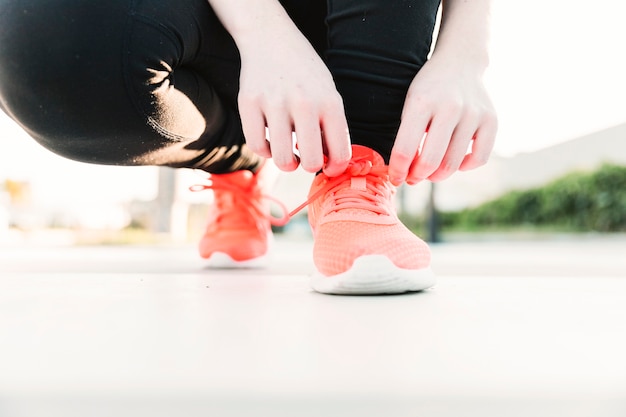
{"x": 251, "y": 199}
{"x": 370, "y": 195}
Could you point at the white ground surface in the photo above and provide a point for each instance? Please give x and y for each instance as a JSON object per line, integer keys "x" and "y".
{"x": 511, "y": 329}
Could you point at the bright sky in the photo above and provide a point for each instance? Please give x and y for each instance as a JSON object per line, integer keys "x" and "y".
{"x": 558, "y": 71}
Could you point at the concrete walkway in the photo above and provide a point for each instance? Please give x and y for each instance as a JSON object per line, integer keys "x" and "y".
{"x": 511, "y": 329}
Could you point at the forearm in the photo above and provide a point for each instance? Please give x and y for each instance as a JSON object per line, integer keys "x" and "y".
{"x": 247, "y": 20}
{"x": 464, "y": 32}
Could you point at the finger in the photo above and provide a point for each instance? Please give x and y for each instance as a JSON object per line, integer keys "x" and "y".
{"x": 281, "y": 143}
{"x": 309, "y": 141}
{"x": 253, "y": 124}
{"x": 336, "y": 140}
{"x": 433, "y": 150}
{"x": 406, "y": 147}
{"x": 457, "y": 149}
{"x": 482, "y": 145}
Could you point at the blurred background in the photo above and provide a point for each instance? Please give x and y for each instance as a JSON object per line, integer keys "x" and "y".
{"x": 559, "y": 165}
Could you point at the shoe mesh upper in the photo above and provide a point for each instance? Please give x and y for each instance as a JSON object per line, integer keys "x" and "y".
{"x": 354, "y": 215}
{"x": 239, "y": 221}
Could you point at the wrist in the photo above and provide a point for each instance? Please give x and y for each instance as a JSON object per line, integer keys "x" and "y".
{"x": 463, "y": 37}
{"x": 467, "y": 64}
{"x": 473, "y": 61}
{"x": 263, "y": 21}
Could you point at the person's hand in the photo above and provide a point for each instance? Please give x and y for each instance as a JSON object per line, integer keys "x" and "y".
{"x": 285, "y": 87}
{"x": 447, "y": 111}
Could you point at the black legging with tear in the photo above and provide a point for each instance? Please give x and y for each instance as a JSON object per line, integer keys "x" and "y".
{"x": 155, "y": 82}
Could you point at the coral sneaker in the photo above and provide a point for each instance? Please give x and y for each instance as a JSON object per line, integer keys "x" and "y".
{"x": 361, "y": 247}
{"x": 238, "y": 233}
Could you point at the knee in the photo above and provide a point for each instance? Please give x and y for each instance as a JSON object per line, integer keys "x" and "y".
{"x": 43, "y": 44}
{"x": 55, "y": 71}
{"x": 28, "y": 39}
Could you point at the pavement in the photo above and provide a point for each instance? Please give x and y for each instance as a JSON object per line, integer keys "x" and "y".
{"x": 513, "y": 328}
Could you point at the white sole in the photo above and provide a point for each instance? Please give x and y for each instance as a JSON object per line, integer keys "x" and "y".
{"x": 374, "y": 274}
{"x": 221, "y": 260}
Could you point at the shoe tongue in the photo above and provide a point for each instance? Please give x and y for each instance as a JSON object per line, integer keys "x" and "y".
{"x": 363, "y": 152}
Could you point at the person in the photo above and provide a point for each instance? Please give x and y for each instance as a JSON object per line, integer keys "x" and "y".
{"x": 345, "y": 89}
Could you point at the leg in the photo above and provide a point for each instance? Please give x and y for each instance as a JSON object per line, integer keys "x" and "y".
{"x": 137, "y": 82}
{"x": 125, "y": 82}
{"x": 375, "y": 48}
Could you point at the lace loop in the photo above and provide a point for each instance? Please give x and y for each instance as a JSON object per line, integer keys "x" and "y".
{"x": 370, "y": 198}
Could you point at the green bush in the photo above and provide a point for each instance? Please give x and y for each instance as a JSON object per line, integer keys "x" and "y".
{"x": 579, "y": 201}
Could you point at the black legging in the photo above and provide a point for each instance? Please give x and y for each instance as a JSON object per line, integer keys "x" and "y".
{"x": 155, "y": 82}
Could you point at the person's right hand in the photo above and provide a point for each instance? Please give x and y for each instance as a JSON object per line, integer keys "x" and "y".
{"x": 286, "y": 87}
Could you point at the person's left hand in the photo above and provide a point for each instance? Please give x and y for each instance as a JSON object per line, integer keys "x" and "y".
{"x": 448, "y": 109}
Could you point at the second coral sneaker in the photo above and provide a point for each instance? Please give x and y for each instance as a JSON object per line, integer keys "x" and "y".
{"x": 238, "y": 231}
{"x": 361, "y": 247}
